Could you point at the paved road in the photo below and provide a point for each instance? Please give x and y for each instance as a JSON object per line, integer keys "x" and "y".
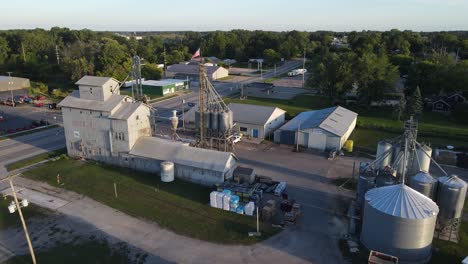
{"x": 23, "y": 147}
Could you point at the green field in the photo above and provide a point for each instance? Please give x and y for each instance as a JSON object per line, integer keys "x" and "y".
{"x": 179, "y": 206}
{"x": 35, "y": 159}
{"x": 374, "y": 124}
{"x": 449, "y": 252}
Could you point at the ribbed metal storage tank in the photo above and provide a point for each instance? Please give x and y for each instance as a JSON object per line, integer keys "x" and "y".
{"x": 167, "y": 171}
{"x": 396, "y": 150}
{"x": 197, "y": 119}
{"x": 365, "y": 182}
{"x": 230, "y": 119}
{"x": 451, "y": 196}
{"x": 208, "y": 120}
{"x": 401, "y": 163}
{"x": 399, "y": 221}
{"x": 424, "y": 160}
{"x": 214, "y": 120}
{"x": 223, "y": 123}
{"x": 384, "y": 148}
{"x": 424, "y": 183}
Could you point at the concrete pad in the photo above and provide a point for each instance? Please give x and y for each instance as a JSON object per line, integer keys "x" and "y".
{"x": 40, "y": 199}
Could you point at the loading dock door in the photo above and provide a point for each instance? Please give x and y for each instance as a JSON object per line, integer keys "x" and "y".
{"x": 255, "y": 133}
{"x": 317, "y": 140}
{"x": 288, "y": 137}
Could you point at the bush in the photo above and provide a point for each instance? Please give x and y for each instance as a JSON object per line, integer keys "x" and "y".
{"x": 460, "y": 112}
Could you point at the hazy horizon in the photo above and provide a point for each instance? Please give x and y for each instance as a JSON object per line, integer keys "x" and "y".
{"x": 208, "y": 15}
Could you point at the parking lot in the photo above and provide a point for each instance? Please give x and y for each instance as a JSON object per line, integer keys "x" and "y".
{"x": 25, "y": 116}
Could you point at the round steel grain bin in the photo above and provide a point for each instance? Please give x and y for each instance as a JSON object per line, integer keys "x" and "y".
{"x": 424, "y": 183}
{"x": 451, "y": 196}
{"x": 399, "y": 221}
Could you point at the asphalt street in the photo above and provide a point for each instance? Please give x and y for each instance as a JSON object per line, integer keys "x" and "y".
{"x": 30, "y": 145}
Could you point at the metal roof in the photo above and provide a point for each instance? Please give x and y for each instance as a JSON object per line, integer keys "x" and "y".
{"x": 163, "y": 82}
{"x": 401, "y": 201}
{"x": 424, "y": 177}
{"x": 125, "y": 110}
{"x": 94, "y": 80}
{"x": 191, "y": 69}
{"x": 335, "y": 120}
{"x": 74, "y": 101}
{"x": 177, "y": 152}
{"x": 253, "y": 114}
{"x": 453, "y": 181}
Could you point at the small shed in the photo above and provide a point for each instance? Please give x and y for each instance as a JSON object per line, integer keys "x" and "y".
{"x": 325, "y": 129}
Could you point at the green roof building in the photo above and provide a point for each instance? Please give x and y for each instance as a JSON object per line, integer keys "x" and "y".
{"x": 154, "y": 88}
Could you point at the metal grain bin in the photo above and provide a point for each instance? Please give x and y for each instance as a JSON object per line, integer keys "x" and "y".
{"x": 197, "y": 119}
{"x": 223, "y": 121}
{"x": 399, "y": 221}
{"x": 451, "y": 196}
{"x": 214, "y": 120}
{"x": 365, "y": 183}
{"x": 384, "y": 150}
{"x": 424, "y": 183}
{"x": 208, "y": 120}
{"x": 423, "y": 156}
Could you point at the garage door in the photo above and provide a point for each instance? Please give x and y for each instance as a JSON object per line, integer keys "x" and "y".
{"x": 317, "y": 140}
{"x": 288, "y": 137}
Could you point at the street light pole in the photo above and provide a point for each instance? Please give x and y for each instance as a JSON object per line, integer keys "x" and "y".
{"x": 25, "y": 228}
{"x": 10, "y": 82}
{"x": 183, "y": 114}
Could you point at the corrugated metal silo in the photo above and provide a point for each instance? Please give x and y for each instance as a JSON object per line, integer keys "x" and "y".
{"x": 366, "y": 182}
{"x": 399, "y": 221}
{"x": 223, "y": 123}
{"x": 197, "y": 119}
{"x": 383, "y": 149}
{"x": 214, "y": 120}
{"x": 424, "y": 160}
{"x": 451, "y": 196}
{"x": 424, "y": 183}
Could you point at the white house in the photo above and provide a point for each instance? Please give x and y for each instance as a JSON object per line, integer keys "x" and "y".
{"x": 183, "y": 71}
{"x": 324, "y": 129}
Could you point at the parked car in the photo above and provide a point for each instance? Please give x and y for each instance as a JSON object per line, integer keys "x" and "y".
{"x": 39, "y": 104}
{"x": 236, "y": 138}
{"x": 191, "y": 104}
{"x": 28, "y": 100}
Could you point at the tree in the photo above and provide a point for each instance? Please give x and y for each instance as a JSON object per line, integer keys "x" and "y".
{"x": 460, "y": 113}
{"x": 401, "y": 108}
{"x": 375, "y": 75}
{"x": 4, "y": 49}
{"x": 271, "y": 56}
{"x": 76, "y": 68}
{"x": 414, "y": 107}
{"x": 333, "y": 75}
{"x": 151, "y": 71}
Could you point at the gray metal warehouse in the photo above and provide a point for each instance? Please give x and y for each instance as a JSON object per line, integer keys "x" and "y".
{"x": 324, "y": 129}
{"x": 16, "y": 83}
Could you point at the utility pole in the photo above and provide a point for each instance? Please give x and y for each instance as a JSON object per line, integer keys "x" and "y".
{"x": 303, "y": 69}
{"x": 24, "y": 54}
{"x": 261, "y": 71}
{"x": 183, "y": 114}
{"x": 57, "y": 54}
{"x": 10, "y": 83}
{"x": 25, "y": 228}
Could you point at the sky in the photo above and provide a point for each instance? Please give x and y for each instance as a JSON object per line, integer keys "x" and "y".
{"x": 207, "y": 15}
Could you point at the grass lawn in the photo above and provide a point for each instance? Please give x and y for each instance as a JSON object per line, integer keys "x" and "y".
{"x": 91, "y": 251}
{"x": 449, "y": 252}
{"x": 179, "y": 206}
{"x": 35, "y": 159}
{"x": 13, "y": 220}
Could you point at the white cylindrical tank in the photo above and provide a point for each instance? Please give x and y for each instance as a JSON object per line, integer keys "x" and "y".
{"x": 167, "y": 171}
{"x": 207, "y": 120}
{"x": 423, "y": 155}
{"x": 174, "y": 120}
{"x": 384, "y": 153}
{"x": 197, "y": 119}
{"x": 424, "y": 183}
{"x": 451, "y": 196}
{"x": 223, "y": 123}
{"x": 399, "y": 221}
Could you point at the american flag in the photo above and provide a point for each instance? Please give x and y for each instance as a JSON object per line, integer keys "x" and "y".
{"x": 196, "y": 54}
